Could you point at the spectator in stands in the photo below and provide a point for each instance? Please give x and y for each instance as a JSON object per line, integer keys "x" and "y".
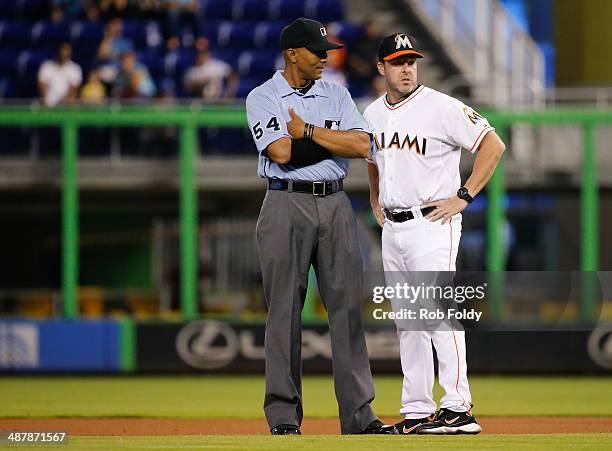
{"x": 151, "y": 10}
{"x": 57, "y": 14}
{"x": 93, "y": 92}
{"x": 133, "y": 79}
{"x": 210, "y": 78}
{"x": 59, "y": 79}
{"x": 364, "y": 56}
{"x": 92, "y": 12}
{"x": 112, "y": 9}
{"x": 71, "y": 8}
{"x": 112, "y": 46}
{"x": 114, "y": 43}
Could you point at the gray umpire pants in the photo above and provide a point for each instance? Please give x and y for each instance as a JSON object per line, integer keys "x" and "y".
{"x": 293, "y": 231}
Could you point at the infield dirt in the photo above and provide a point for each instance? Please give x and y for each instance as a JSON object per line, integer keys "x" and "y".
{"x": 175, "y": 426}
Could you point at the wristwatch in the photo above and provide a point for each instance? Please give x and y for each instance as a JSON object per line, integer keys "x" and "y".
{"x": 463, "y": 193}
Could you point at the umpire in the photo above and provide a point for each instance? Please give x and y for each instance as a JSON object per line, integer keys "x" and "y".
{"x": 307, "y": 219}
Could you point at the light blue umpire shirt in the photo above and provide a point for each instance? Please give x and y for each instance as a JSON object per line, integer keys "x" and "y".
{"x": 324, "y": 105}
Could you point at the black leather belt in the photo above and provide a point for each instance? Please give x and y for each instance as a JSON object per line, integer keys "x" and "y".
{"x": 298, "y": 186}
{"x": 403, "y": 216}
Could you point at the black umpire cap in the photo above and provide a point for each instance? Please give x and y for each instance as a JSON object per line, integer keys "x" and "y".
{"x": 306, "y": 33}
{"x": 398, "y": 44}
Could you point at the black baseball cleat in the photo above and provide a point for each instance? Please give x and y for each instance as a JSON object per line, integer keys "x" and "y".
{"x": 378, "y": 427}
{"x": 411, "y": 425}
{"x": 285, "y": 429}
{"x": 449, "y": 422}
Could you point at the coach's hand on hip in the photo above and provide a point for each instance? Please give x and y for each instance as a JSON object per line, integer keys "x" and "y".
{"x": 295, "y": 127}
{"x": 445, "y": 209}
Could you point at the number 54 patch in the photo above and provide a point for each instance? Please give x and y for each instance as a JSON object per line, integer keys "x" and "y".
{"x": 272, "y": 124}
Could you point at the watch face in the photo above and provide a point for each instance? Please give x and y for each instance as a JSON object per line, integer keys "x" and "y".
{"x": 462, "y": 193}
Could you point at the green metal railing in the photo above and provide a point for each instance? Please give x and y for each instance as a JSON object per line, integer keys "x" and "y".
{"x": 188, "y": 119}
{"x": 589, "y": 230}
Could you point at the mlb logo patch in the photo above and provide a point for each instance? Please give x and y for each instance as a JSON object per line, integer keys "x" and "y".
{"x": 332, "y": 125}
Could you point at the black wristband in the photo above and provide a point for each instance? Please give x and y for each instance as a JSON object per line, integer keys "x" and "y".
{"x": 308, "y": 131}
{"x": 306, "y": 152}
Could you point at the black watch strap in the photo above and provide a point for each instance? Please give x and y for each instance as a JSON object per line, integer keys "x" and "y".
{"x": 463, "y": 193}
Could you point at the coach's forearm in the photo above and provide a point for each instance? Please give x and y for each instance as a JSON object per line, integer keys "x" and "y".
{"x": 489, "y": 152}
{"x": 343, "y": 143}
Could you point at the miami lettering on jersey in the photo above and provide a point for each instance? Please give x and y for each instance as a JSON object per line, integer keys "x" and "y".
{"x": 404, "y": 144}
{"x": 418, "y": 146}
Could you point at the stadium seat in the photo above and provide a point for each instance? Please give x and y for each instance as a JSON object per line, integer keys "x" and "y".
{"x": 230, "y": 56}
{"x": 250, "y": 10}
{"x": 8, "y": 61}
{"x": 209, "y": 29}
{"x": 7, "y": 9}
{"x": 176, "y": 63}
{"x": 15, "y": 33}
{"x": 266, "y": 34}
{"x": 288, "y": 10}
{"x": 326, "y": 10}
{"x": 260, "y": 64}
{"x": 50, "y": 34}
{"x": 348, "y": 32}
{"x": 8, "y": 88}
{"x": 29, "y": 61}
{"x": 142, "y": 34}
{"x": 153, "y": 61}
{"x": 87, "y": 34}
{"x": 247, "y": 84}
{"x": 216, "y": 10}
{"x": 32, "y": 9}
{"x": 237, "y": 35}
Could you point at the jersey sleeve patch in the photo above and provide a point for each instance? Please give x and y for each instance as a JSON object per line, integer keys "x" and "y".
{"x": 472, "y": 116}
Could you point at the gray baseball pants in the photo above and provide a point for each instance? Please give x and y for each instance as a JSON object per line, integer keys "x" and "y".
{"x": 293, "y": 231}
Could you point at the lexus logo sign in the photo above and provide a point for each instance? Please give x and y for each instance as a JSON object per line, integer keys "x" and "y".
{"x": 600, "y": 345}
{"x": 207, "y": 344}
{"x": 211, "y": 345}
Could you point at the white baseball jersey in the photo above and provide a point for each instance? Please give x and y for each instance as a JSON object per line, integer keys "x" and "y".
{"x": 419, "y": 142}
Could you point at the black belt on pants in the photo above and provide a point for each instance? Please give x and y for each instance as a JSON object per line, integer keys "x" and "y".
{"x": 403, "y": 216}
{"x": 298, "y": 186}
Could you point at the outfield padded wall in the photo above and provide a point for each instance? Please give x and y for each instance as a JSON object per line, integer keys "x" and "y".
{"x": 60, "y": 346}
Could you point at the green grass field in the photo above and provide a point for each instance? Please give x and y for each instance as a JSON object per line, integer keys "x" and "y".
{"x": 325, "y": 443}
{"x": 242, "y": 396}
{"x": 236, "y": 397}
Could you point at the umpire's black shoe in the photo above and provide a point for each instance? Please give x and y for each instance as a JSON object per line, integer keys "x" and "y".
{"x": 449, "y": 422}
{"x": 411, "y": 425}
{"x": 378, "y": 427}
{"x": 285, "y": 429}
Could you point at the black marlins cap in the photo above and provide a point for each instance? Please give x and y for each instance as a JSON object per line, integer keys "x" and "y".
{"x": 398, "y": 44}
{"x": 306, "y": 33}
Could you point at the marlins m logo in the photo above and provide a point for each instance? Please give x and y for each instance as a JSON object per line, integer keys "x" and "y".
{"x": 472, "y": 115}
{"x": 401, "y": 40}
